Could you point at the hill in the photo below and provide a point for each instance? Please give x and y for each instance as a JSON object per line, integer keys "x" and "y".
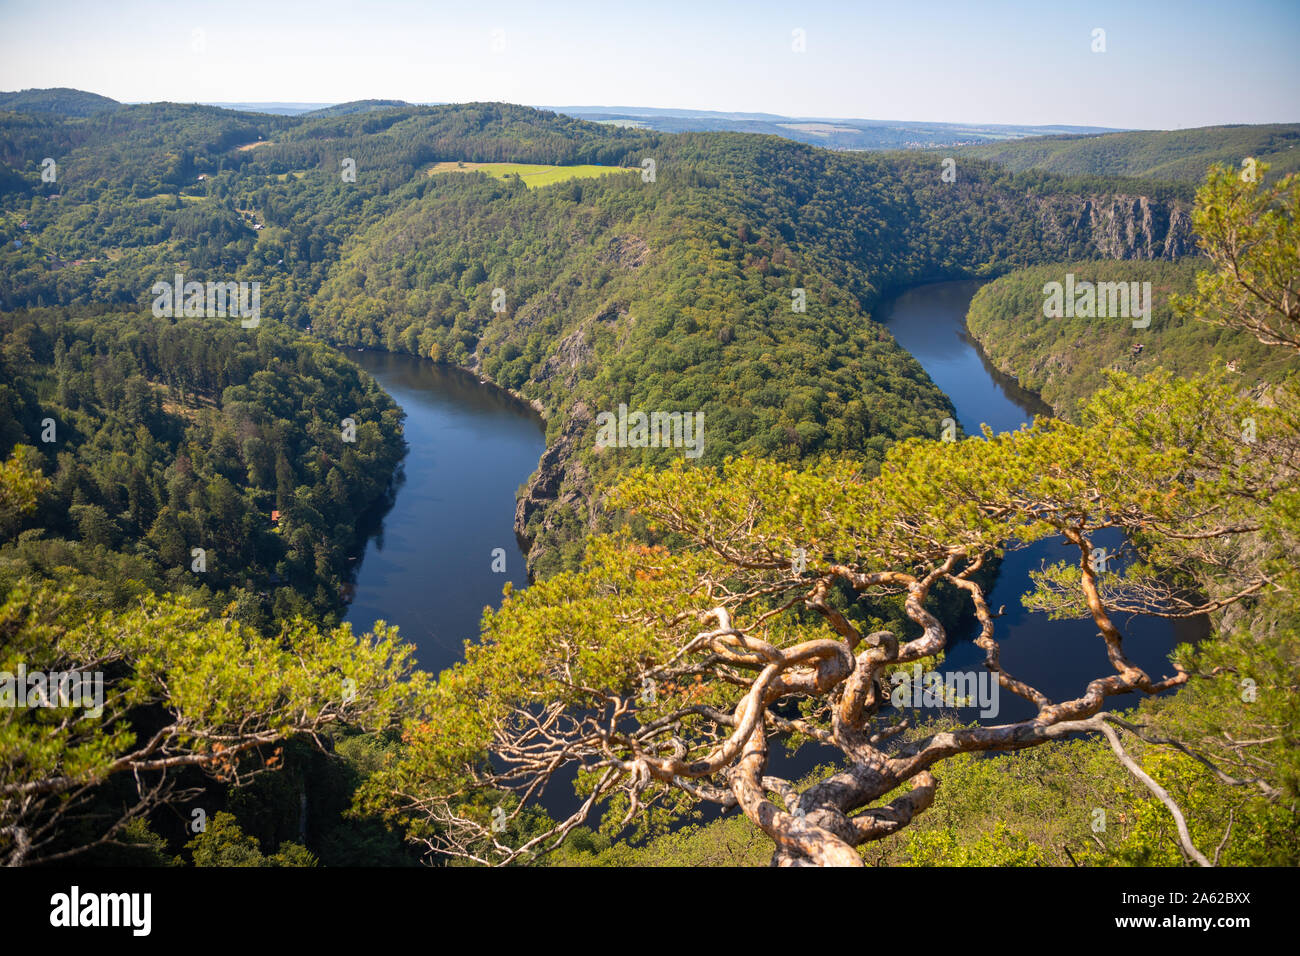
{"x": 170, "y": 433}
{"x": 1065, "y": 359}
{"x": 356, "y": 106}
{"x": 60, "y": 101}
{"x": 1173, "y": 155}
{"x": 830, "y": 132}
{"x": 275, "y": 109}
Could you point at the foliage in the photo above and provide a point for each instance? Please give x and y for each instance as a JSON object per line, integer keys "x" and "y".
{"x": 224, "y": 844}
{"x": 160, "y": 436}
{"x": 1249, "y": 232}
{"x": 1183, "y": 155}
{"x": 177, "y": 688}
{"x": 1066, "y": 359}
{"x": 60, "y": 101}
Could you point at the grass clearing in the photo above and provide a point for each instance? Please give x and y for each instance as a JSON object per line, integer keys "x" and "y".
{"x": 533, "y": 174}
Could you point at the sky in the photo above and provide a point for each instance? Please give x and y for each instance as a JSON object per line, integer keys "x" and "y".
{"x": 1166, "y": 64}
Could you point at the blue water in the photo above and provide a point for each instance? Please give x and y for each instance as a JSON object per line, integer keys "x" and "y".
{"x": 1057, "y": 657}
{"x": 429, "y": 566}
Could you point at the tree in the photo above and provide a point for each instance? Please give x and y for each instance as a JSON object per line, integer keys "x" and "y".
{"x": 223, "y": 843}
{"x": 1248, "y": 231}
{"x": 21, "y": 486}
{"x": 169, "y": 689}
{"x": 662, "y": 672}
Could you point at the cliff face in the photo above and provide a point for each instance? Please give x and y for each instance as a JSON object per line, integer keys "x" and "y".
{"x": 560, "y": 485}
{"x": 1119, "y": 226}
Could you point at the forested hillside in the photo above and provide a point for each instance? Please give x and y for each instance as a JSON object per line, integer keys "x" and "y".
{"x": 58, "y": 102}
{"x": 1183, "y": 155}
{"x": 181, "y": 501}
{"x": 828, "y": 132}
{"x": 1065, "y": 359}
{"x": 164, "y": 436}
{"x": 671, "y": 291}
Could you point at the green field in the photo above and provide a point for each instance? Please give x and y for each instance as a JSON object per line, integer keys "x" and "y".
{"x": 533, "y": 174}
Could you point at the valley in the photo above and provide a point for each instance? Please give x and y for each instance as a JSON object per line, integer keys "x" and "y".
{"x": 424, "y": 417}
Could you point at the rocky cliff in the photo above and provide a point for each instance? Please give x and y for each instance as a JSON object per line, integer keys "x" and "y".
{"x": 558, "y": 490}
{"x": 1118, "y": 226}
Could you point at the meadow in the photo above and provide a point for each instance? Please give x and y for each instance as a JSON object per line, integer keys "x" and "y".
{"x": 533, "y": 174}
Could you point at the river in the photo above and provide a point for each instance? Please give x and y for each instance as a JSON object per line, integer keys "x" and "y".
{"x": 1057, "y": 657}
{"x": 428, "y": 567}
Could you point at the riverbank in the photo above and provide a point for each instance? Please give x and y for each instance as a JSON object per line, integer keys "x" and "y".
{"x": 1066, "y": 358}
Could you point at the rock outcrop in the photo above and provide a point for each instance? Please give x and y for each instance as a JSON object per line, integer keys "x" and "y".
{"x": 1118, "y": 226}
{"x": 561, "y": 480}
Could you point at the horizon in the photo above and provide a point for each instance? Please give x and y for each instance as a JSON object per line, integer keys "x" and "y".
{"x": 808, "y": 62}
{"x": 306, "y": 106}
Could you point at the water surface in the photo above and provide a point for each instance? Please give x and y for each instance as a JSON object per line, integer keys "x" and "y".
{"x": 428, "y": 568}
{"x": 1057, "y": 657}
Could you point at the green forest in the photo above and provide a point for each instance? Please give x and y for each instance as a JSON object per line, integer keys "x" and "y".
{"x": 181, "y": 499}
{"x": 1162, "y": 155}
{"x": 160, "y": 436}
{"x": 1065, "y": 360}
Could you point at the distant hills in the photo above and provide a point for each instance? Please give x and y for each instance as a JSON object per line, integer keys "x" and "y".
{"x": 59, "y": 101}
{"x": 358, "y": 106}
{"x": 71, "y": 103}
{"x": 312, "y": 109}
{"x": 277, "y": 109}
{"x": 830, "y": 132}
{"x": 1174, "y": 156}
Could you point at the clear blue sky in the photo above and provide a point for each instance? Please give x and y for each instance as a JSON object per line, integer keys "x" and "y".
{"x": 1167, "y": 64}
